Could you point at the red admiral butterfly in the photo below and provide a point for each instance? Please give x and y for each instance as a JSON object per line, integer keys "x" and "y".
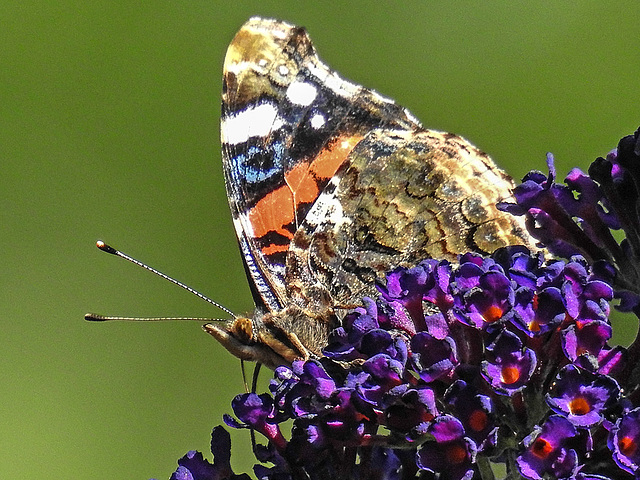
{"x": 330, "y": 185}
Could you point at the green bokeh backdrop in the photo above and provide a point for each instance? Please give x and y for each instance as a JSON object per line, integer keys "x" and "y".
{"x": 109, "y": 117}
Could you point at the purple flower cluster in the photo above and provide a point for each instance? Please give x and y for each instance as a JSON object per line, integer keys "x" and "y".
{"x": 461, "y": 370}
{"x": 454, "y": 366}
{"x": 193, "y": 466}
{"x": 577, "y": 217}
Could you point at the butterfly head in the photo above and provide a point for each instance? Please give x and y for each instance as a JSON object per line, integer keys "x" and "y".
{"x": 276, "y": 338}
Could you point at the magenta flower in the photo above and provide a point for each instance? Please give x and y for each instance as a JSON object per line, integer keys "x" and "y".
{"x": 476, "y": 412}
{"x": 395, "y": 388}
{"x": 585, "y": 339}
{"x": 193, "y": 466}
{"x": 483, "y": 298}
{"x": 451, "y": 453}
{"x": 509, "y": 364}
{"x": 433, "y": 358}
{"x": 548, "y": 451}
{"x": 577, "y": 218}
{"x": 625, "y": 441}
{"x": 582, "y": 397}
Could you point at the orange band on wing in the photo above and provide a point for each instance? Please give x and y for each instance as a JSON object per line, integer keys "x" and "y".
{"x": 274, "y": 248}
{"x": 277, "y": 209}
{"x": 272, "y": 213}
{"x": 303, "y": 179}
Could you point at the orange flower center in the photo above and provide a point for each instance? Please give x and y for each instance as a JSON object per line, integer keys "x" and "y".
{"x": 534, "y": 326}
{"x": 478, "y": 420}
{"x": 579, "y": 406}
{"x": 627, "y": 446}
{"x": 510, "y": 375}
{"x": 492, "y": 314}
{"x": 541, "y": 448}
{"x": 456, "y": 454}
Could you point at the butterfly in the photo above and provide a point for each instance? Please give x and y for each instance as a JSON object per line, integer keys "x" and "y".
{"x": 331, "y": 185}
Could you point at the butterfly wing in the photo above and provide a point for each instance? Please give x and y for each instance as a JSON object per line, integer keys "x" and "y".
{"x": 401, "y": 196}
{"x": 288, "y": 124}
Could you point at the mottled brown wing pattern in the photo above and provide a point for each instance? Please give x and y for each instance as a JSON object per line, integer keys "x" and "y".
{"x": 401, "y": 196}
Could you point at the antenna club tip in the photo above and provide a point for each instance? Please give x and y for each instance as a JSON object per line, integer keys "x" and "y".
{"x": 106, "y": 248}
{"x": 92, "y": 317}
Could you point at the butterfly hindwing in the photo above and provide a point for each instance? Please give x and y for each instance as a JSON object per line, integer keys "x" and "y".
{"x": 401, "y": 196}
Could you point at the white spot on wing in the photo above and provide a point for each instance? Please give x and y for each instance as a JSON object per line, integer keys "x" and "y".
{"x": 301, "y": 93}
{"x": 327, "y": 209}
{"x": 283, "y": 70}
{"x": 333, "y": 81}
{"x": 253, "y": 121}
{"x": 317, "y": 121}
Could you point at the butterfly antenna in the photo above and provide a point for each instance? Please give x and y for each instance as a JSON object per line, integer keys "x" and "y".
{"x": 109, "y": 249}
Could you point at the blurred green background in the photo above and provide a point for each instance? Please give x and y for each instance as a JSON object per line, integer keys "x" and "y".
{"x": 109, "y": 117}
